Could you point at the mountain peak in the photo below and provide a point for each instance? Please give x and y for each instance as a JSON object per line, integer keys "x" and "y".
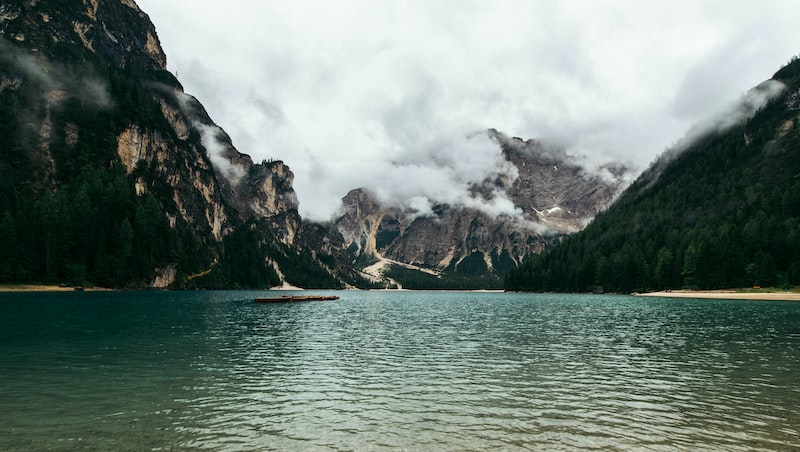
{"x": 551, "y": 193}
{"x": 104, "y": 154}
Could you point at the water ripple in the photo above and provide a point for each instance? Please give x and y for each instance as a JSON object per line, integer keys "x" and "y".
{"x": 401, "y": 371}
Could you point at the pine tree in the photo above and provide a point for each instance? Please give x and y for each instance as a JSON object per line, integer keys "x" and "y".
{"x": 8, "y": 247}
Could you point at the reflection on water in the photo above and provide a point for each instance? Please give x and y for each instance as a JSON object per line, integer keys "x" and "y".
{"x": 387, "y": 370}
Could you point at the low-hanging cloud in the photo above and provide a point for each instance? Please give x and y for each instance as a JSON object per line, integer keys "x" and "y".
{"x": 212, "y": 137}
{"x": 216, "y": 150}
{"x": 52, "y": 77}
{"x": 733, "y": 115}
{"x": 441, "y": 172}
{"x": 383, "y": 95}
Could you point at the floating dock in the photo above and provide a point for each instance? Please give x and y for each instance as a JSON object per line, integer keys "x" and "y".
{"x": 293, "y": 298}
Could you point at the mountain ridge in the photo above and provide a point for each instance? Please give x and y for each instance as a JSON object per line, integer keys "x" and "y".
{"x": 112, "y": 175}
{"x": 552, "y": 192}
{"x": 719, "y": 212}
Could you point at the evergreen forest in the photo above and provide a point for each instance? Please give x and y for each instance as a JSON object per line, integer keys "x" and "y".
{"x": 70, "y": 214}
{"x": 723, "y": 213}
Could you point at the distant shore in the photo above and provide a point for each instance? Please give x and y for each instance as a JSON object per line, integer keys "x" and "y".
{"x": 46, "y": 288}
{"x": 728, "y": 294}
{"x": 724, "y": 294}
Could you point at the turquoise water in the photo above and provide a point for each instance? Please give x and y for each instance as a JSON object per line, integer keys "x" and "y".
{"x": 396, "y": 371}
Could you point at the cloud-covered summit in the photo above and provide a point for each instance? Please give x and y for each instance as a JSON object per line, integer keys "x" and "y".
{"x": 390, "y": 95}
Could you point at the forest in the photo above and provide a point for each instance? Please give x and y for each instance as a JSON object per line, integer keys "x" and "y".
{"x": 724, "y": 213}
{"x": 69, "y": 212}
{"x": 71, "y": 215}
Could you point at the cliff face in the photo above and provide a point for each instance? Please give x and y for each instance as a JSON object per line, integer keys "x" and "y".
{"x": 86, "y": 90}
{"x": 117, "y": 32}
{"x": 112, "y": 175}
{"x": 553, "y": 193}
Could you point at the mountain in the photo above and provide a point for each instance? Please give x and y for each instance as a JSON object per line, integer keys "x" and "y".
{"x": 112, "y": 175}
{"x": 467, "y": 247}
{"x": 721, "y": 209}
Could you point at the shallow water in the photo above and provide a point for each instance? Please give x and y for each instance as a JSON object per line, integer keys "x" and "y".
{"x": 397, "y": 370}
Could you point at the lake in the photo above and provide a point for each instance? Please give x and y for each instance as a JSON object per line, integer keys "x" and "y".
{"x": 396, "y": 371}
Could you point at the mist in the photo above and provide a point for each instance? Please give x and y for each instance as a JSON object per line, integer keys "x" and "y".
{"x": 443, "y": 171}
{"x": 390, "y": 95}
{"x": 733, "y": 115}
{"x": 216, "y": 150}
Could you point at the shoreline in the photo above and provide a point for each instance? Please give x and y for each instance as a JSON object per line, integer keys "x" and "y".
{"x": 725, "y": 294}
{"x": 721, "y": 294}
{"x": 8, "y": 288}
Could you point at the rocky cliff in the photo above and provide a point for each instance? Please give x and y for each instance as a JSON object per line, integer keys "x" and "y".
{"x": 112, "y": 175}
{"x": 87, "y": 98}
{"x": 556, "y": 189}
{"x": 553, "y": 192}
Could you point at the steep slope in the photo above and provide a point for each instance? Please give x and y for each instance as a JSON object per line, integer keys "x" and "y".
{"x": 112, "y": 175}
{"x": 720, "y": 210}
{"x": 557, "y": 187}
{"x": 468, "y": 247}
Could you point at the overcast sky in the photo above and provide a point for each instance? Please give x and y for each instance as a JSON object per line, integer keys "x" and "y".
{"x": 389, "y": 95}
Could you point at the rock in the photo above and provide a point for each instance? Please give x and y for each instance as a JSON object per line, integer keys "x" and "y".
{"x": 555, "y": 194}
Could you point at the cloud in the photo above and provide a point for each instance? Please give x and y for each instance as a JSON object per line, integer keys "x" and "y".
{"x": 442, "y": 171}
{"x": 734, "y": 114}
{"x": 382, "y": 94}
{"x": 212, "y": 137}
{"x": 216, "y": 150}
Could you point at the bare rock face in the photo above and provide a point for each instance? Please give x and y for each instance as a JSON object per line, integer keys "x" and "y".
{"x": 213, "y": 186}
{"x": 266, "y": 192}
{"x": 89, "y": 78}
{"x": 445, "y": 240}
{"x": 194, "y": 192}
{"x": 363, "y": 218}
{"x": 84, "y": 84}
{"x": 115, "y": 30}
{"x": 554, "y": 194}
{"x": 441, "y": 241}
{"x": 165, "y": 277}
{"x": 555, "y": 188}
{"x": 252, "y": 191}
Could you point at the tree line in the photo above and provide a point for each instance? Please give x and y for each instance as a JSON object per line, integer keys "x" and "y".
{"x": 94, "y": 231}
{"x": 724, "y": 213}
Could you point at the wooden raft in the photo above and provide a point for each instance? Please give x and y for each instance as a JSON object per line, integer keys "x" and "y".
{"x": 291, "y": 298}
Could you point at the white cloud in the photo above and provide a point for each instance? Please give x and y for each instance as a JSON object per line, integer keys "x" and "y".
{"x": 384, "y": 94}
{"x": 209, "y": 136}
